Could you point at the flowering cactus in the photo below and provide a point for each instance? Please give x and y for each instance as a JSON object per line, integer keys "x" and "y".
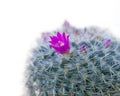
{"x": 75, "y": 62}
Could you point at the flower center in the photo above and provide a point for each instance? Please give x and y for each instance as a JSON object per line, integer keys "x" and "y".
{"x": 60, "y": 43}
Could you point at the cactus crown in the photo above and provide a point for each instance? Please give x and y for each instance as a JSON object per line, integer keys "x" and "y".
{"x": 76, "y": 62}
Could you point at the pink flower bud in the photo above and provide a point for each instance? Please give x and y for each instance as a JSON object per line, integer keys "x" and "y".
{"x": 107, "y": 42}
{"x": 66, "y": 23}
{"x": 83, "y": 48}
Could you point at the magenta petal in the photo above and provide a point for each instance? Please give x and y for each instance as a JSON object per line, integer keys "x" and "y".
{"x": 54, "y": 38}
{"x": 58, "y": 35}
{"x": 52, "y": 42}
{"x": 64, "y": 37}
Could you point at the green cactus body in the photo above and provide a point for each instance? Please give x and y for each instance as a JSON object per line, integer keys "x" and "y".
{"x": 94, "y": 71}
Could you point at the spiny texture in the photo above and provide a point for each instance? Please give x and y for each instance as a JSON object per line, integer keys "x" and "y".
{"x": 91, "y": 68}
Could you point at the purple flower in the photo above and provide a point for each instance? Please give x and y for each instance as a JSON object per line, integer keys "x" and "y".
{"x": 107, "y": 42}
{"x": 60, "y": 43}
{"x": 83, "y": 48}
{"x": 66, "y": 23}
{"x": 45, "y": 36}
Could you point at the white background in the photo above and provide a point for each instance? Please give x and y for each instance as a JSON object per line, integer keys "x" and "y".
{"x": 21, "y": 22}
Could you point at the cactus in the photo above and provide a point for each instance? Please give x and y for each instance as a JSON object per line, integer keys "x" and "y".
{"x": 75, "y": 62}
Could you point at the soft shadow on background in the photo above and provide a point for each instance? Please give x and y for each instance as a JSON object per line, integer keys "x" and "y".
{"x": 22, "y": 21}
